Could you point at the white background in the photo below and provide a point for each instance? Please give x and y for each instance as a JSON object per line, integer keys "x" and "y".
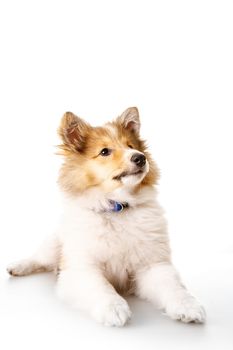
{"x": 172, "y": 59}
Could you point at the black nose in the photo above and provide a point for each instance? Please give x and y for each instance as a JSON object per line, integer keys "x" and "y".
{"x": 138, "y": 159}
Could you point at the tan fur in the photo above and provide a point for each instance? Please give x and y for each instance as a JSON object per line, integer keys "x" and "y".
{"x": 83, "y": 167}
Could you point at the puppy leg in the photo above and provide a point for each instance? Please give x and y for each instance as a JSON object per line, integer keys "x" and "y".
{"x": 88, "y": 290}
{"x": 161, "y": 285}
{"x": 46, "y": 258}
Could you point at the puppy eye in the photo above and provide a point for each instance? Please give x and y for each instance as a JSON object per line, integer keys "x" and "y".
{"x": 130, "y": 146}
{"x": 105, "y": 152}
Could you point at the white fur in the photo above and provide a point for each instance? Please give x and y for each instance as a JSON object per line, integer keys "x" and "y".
{"x": 101, "y": 250}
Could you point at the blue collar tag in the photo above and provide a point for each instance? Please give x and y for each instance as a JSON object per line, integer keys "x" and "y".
{"x": 117, "y": 207}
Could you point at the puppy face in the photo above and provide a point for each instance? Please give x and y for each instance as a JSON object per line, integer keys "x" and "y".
{"x": 109, "y": 157}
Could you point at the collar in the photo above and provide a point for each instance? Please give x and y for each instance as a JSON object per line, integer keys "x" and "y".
{"x": 117, "y": 206}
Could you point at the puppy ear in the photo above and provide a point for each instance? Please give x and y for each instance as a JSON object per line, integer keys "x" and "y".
{"x": 73, "y": 131}
{"x": 130, "y": 120}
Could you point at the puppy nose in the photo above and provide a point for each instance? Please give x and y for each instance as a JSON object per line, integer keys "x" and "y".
{"x": 138, "y": 159}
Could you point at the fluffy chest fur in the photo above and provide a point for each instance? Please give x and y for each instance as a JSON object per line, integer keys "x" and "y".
{"x": 121, "y": 243}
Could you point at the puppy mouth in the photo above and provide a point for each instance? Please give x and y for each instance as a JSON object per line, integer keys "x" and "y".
{"x": 127, "y": 173}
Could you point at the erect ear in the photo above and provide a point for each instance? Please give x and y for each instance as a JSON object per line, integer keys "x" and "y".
{"x": 130, "y": 120}
{"x": 73, "y": 131}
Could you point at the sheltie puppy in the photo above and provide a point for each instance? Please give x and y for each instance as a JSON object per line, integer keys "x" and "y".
{"x": 112, "y": 239}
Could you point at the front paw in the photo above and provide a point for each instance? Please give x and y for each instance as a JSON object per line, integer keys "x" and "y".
{"x": 187, "y": 310}
{"x": 115, "y": 312}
